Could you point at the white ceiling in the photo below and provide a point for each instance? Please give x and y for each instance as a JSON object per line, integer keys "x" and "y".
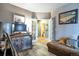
{"x": 39, "y": 7}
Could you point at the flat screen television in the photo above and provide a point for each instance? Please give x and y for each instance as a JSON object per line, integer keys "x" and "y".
{"x": 19, "y": 27}
{"x": 22, "y": 43}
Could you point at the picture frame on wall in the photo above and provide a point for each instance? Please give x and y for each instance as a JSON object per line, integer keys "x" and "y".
{"x": 18, "y": 18}
{"x": 68, "y": 17}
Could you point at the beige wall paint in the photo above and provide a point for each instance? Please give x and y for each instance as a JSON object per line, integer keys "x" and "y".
{"x": 43, "y": 15}
{"x": 7, "y": 11}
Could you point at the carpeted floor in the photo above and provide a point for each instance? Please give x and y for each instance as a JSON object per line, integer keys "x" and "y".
{"x": 38, "y": 49}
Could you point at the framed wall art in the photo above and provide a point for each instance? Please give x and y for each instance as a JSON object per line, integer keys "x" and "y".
{"x": 18, "y": 18}
{"x": 68, "y": 17}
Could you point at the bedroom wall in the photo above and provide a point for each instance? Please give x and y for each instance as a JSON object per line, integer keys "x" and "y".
{"x": 68, "y": 30}
{"x": 7, "y": 10}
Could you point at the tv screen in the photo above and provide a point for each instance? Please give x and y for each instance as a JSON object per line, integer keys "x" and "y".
{"x": 19, "y": 27}
{"x": 22, "y": 43}
{"x": 7, "y": 27}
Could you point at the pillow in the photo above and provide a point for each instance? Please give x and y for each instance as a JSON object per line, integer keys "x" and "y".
{"x": 71, "y": 43}
{"x": 63, "y": 40}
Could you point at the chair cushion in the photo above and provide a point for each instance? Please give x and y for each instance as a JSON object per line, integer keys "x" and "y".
{"x": 63, "y": 40}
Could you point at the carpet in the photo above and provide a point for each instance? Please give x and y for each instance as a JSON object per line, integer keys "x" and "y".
{"x": 38, "y": 49}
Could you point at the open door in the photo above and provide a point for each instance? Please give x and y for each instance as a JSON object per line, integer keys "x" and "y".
{"x": 42, "y": 28}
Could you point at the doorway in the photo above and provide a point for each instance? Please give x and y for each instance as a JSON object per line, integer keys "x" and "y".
{"x": 42, "y": 29}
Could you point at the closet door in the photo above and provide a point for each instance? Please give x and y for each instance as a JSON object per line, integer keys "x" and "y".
{"x": 34, "y": 29}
